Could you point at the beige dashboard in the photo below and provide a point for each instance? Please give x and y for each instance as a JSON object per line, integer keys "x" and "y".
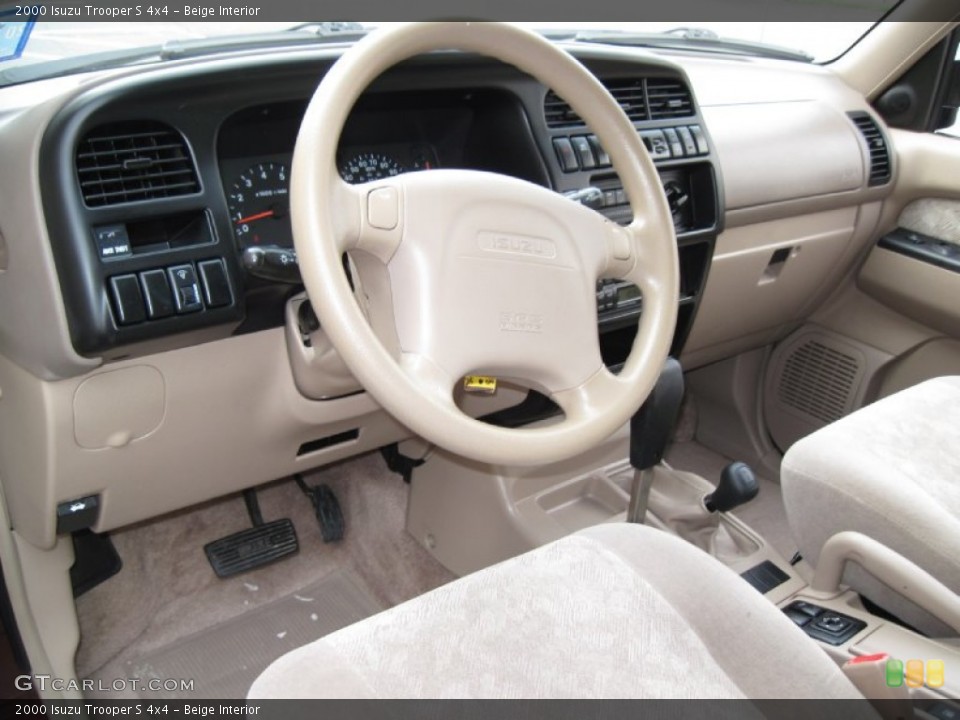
{"x": 157, "y": 427}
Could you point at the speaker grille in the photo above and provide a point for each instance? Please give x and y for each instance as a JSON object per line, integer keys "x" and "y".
{"x": 818, "y": 380}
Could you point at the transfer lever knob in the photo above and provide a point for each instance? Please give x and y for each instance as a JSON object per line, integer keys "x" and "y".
{"x": 737, "y": 486}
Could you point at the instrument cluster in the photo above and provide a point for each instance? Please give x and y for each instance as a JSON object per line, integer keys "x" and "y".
{"x": 258, "y": 188}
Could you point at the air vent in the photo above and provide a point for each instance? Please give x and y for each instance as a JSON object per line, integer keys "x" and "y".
{"x": 630, "y": 96}
{"x": 877, "y": 144}
{"x": 133, "y": 161}
{"x": 668, "y": 99}
{"x": 818, "y": 381}
{"x": 641, "y": 99}
{"x": 558, "y": 112}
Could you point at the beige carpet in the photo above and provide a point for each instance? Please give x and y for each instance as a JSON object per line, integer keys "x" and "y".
{"x": 167, "y": 590}
{"x": 765, "y": 514}
{"x": 226, "y": 658}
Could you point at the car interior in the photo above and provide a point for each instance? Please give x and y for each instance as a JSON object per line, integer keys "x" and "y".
{"x": 458, "y": 360}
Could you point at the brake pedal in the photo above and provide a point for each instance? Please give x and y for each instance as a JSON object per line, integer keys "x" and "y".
{"x": 255, "y": 547}
{"x": 327, "y": 509}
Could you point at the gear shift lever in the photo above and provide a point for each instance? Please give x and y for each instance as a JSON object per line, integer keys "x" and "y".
{"x": 737, "y": 486}
{"x": 650, "y": 430}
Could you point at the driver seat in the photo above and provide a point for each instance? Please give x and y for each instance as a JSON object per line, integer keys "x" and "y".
{"x": 614, "y": 611}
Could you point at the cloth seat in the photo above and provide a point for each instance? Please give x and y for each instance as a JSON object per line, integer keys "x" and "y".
{"x": 615, "y": 611}
{"x": 890, "y": 471}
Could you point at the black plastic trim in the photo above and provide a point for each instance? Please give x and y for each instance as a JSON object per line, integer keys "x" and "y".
{"x": 327, "y": 442}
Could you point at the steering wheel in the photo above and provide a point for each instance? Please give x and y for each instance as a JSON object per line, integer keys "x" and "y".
{"x": 467, "y": 272}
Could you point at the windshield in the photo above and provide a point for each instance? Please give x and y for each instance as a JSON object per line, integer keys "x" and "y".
{"x": 49, "y": 44}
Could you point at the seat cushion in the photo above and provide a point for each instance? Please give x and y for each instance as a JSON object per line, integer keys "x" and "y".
{"x": 616, "y": 611}
{"x": 890, "y": 471}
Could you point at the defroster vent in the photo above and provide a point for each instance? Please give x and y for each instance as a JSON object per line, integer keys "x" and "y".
{"x": 877, "y": 144}
{"x": 134, "y": 161}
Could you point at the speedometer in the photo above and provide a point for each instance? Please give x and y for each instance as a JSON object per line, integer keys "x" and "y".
{"x": 369, "y": 166}
{"x": 260, "y": 206}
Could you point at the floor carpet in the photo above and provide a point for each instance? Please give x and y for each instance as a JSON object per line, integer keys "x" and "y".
{"x": 167, "y": 591}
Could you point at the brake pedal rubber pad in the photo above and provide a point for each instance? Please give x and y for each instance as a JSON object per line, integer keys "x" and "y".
{"x": 252, "y": 548}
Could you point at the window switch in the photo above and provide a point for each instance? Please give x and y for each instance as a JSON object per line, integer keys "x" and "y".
{"x": 186, "y": 288}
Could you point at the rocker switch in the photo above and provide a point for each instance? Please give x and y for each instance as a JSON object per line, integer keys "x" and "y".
{"x": 186, "y": 288}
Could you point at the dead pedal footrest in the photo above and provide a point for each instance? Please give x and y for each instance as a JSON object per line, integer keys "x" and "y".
{"x": 252, "y": 548}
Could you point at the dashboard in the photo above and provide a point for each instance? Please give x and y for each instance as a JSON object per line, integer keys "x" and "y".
{"x": 158, "y": 197}
{"x": 144, "y": 364}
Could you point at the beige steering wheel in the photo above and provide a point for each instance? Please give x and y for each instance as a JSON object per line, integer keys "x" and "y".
{"x": 469, "y": 272}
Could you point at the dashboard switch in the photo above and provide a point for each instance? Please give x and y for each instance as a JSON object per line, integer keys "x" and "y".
{"x": 216, "y": 284}
{"x": 383, "y": 208}
{"x": 689, "y": 144}
{"x": 656, "y": 143}
{"x": 603, "y": 158}
{"x": 156, "y": 291}
{"x": 700, "y": 138}
{"x": 565, "y": 154}
{"x": 186, "y": 289}
{"x": 676, "y": 147}
{"x": 581, "y": 146}
{"x": 127, "y": 299}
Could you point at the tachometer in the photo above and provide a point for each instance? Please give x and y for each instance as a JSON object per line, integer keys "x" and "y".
{"x": 260, "y": 206}
{"x": 369, "y": 166}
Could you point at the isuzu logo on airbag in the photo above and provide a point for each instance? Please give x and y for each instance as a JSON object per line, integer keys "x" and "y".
{"x": 517, "y": 244}
{"x": 521, "y": 322}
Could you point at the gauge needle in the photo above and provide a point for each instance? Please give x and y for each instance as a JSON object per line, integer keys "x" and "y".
{"x": 258, "y": 216}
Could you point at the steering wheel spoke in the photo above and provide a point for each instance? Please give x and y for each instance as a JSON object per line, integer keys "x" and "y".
{"x": 433, "y": 380}
{"x": 591, "y": 399}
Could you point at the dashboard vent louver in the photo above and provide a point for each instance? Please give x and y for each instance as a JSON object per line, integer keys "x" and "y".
{"x": 641, "y": 99}
{"x": 558, "y": 112}
{"x": 134, "y": 161}
{"x": 877, "y": 144}
{"x": 668, "y": 99}
{"x": 630, "y": 95}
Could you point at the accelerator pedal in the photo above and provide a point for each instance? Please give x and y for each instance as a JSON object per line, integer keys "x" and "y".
{"x": 255, "y": 547}
{"x": 327, "y": 509}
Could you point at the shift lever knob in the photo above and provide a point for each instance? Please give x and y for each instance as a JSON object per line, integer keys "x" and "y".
{"x": 737, "y": 485}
